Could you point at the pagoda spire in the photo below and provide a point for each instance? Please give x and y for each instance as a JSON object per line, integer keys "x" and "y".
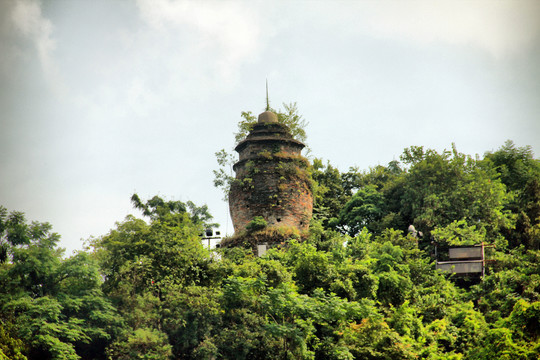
{"x": 267, "y": 99}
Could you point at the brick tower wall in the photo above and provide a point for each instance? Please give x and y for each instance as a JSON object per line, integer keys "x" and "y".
{"x": 272, "y": 180}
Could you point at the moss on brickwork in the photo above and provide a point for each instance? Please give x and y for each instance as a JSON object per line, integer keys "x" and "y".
{"x": 273, "y": 181}
{"x": 272, "y": 236}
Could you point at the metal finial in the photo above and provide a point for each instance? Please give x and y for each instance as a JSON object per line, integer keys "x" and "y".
{"x": 267, "y": 100}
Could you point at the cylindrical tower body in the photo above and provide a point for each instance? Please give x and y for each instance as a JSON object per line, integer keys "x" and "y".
{"x": 272, "y": 180}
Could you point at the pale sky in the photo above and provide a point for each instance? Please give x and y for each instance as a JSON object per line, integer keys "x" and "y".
{"x": 101, "y": 99}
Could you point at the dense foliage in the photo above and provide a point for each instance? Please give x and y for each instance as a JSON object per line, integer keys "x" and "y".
{"x": 360, "y": 287}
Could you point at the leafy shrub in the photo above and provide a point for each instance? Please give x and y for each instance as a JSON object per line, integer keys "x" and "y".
{"x": 258, "y": 223}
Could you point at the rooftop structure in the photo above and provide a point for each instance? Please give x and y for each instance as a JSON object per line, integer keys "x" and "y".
{"x": 464, "y": 261}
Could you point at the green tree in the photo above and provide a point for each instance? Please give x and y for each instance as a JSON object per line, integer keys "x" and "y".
{"x": 54, "y": 305}
{"x": 142, "y": 343}
{"x": 11, "y": 348}
{"x": 442, "y": 188}
{"x": 520, "y": 172}
{"x": 150, "y": 265}
{"x": 365, "y": 209}
{"x": 166, "y": 250}
{"x": 331, "y": 191}
{"x": 459, "y": 233}
{"x": 514, "y": 337}
{"x": 371, "y": 293}
{"x": 510, "y": 277}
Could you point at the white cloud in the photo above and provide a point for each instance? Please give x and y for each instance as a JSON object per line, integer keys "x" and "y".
{"x": 28, "y": 20}
{"x": 500, "y": 27}
{"x": 223, "y": 35}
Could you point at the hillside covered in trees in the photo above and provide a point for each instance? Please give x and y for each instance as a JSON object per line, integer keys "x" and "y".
{"x": 358, "y": 286}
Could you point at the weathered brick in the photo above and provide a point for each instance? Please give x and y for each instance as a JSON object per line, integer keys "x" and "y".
{"x": 272, "y": 179}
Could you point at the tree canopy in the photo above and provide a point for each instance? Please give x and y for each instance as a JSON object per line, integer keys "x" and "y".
{"x": 361, "y": 286}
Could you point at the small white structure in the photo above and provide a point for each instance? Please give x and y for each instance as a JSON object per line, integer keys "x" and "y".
{"x": 211, "y": 238}
{"x": 261, "y": 249}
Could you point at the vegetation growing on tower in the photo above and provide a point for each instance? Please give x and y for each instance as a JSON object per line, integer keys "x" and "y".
{"x": 272, "y": 182}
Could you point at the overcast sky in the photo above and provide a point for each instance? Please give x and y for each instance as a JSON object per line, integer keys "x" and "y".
{"x": 101, "y": 99}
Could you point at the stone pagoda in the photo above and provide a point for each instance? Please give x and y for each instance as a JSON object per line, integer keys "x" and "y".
{"x": 272, "y": 180}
